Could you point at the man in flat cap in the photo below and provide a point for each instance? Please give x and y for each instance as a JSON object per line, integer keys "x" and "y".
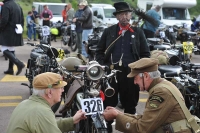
{"x": 34, "y": 115}
{"x": 162, "y": 114}
{"x": 121, "y": 44}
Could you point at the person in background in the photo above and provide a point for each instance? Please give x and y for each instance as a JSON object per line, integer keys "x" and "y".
{"x": 34, "y": 115}
{"x": 29, "y": 25}
{"x": 128, "y": 45}
{"x": 195, "y": 25}
{"x": 10, "y": 36}
{"x": 34, "y": 17}
{"x": 70, "y": 12}
{"x": 163, "y": 112}
{"x": 1, "y": 4}
{"x": 149, "y": 29}
{"x": 87, "y": 23}
{"x": 46, "y": 15}
{"x": 79, "y": 29}
{"x": 64, "y": 13}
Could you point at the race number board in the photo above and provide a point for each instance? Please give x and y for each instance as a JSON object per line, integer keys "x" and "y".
{"x": 45, "y": 31}
{"x": 92, "y": 105}
{"x": 188, "y": 47}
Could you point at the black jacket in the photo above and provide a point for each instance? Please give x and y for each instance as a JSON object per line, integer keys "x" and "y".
{"x": 11, "y": 14}
{"x": 86, "y": 18}
{"x": 140, "y": 48}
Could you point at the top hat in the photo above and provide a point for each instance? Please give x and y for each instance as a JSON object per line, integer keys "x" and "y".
{"x": 121, "y": 7}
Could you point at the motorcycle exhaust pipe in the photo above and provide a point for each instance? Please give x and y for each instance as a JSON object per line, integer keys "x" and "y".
{"x": 109, "y": 91}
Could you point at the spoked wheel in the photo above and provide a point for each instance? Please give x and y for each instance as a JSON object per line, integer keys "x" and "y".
{"x": 73, "y": 44}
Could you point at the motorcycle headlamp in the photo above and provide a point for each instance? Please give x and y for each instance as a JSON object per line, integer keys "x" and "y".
{"x": 94, "y": 71}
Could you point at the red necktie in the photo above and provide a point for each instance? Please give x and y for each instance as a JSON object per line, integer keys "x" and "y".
{"x": 127, "y": 27}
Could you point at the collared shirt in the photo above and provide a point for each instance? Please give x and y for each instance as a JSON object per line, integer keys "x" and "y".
{"x": 34, "y": 115}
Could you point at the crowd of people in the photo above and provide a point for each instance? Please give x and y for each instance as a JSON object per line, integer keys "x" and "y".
{"x": 82, "y": 19}
{"x": 122, "y": 47}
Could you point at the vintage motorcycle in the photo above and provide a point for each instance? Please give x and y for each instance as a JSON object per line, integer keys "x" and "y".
{"x": 87, "y": 87}
{"x": 44, "y": 34}
{"x": 188, "y": 82}
{"x": 42, "y": 59}
{"x": 67, "y": 32}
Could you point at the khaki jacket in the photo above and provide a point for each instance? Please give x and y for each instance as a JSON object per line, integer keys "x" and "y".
{"x": 34, "y": 115}
{"x": 161, "y": 109}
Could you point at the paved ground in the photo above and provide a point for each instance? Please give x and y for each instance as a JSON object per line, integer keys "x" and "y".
{"x": 12, "y": 92}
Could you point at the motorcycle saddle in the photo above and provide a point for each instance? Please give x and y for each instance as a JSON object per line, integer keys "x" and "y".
{"x": 169, "y": 68}
{"x": 74, "y": 88}
{"x": 162, "y": 47}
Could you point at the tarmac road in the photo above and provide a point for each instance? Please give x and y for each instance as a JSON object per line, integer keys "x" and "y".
{"x": 12, "y": 92}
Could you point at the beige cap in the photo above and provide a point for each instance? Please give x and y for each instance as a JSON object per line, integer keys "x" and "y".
{"x": 143, "y": 65}
{"x": 48, "y": 80}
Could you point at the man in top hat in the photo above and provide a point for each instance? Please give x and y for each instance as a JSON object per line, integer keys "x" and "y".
{"x": 162, "y": 113}
{"x": 121, "y": 44}
{"x": 34, "y": 115}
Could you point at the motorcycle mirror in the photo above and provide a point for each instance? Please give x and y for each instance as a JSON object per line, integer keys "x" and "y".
{"x": 173, "y": 60}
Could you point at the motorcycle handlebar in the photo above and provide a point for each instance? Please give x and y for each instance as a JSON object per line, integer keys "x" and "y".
{"x": 32, "y": 44}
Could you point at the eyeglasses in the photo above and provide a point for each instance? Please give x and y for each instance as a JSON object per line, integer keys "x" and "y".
{"x": 57, "y": 83}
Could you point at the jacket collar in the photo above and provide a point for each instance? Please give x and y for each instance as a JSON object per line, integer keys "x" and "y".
{"x": 40, "y": 100}
{"x": 114, "y": 29}
{"x": 153, "y": 83}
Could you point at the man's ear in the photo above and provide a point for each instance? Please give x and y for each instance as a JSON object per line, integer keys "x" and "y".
{"x": 146, "y": 75}
{"x": 48, "y": 92}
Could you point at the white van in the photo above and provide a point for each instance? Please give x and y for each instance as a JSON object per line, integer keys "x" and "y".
{"x": 172, "y": 12}
{"x": 56, "y": 9}
{"x": 104, "y": 12}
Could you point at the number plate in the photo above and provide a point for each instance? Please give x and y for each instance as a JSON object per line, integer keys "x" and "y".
{"x": 171, "y": 29}
{"x": 162, "y": 34}
{"x": 45, "y": 31}
{"x": 73, "y": 26}
{"x": 188, "y": 47}
{"x": 92, "y": 105}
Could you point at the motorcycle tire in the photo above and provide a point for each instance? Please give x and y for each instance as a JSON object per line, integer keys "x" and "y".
{"x": 73, "y": 44}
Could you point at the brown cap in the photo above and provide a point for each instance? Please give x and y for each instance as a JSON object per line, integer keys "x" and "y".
{"x": 143, "y": 65}
{"x": 48, "y": 80}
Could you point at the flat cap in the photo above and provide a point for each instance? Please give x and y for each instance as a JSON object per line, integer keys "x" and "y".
{"x": 143, "y": 65}
{"x": 48, "y": 80}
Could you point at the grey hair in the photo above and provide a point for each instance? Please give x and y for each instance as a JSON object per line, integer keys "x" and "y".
{"x": 153, "y": 75}
{"x": 38, "y": 92}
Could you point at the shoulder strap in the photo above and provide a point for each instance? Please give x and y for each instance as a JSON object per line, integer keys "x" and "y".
{"x": 191, "y": 119}
{"x": 114, "y": 42}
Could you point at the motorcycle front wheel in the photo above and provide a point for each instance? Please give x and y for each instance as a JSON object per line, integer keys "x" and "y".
{"x": 72, "y": 43}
